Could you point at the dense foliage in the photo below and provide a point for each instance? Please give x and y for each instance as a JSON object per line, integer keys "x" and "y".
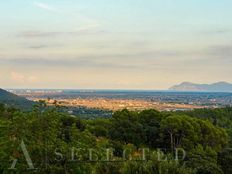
{"x": 221, "y": 117}
{"x": 59, "y": 143}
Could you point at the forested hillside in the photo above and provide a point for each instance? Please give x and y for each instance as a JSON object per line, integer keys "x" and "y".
{"x": 13, "y": 100}
{"x": 58, "y": 143}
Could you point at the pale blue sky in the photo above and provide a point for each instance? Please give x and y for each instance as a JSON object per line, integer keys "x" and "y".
{"x": 114, "y": 44}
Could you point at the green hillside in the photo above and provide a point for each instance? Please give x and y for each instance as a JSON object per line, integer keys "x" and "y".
{"x": 10, "y": 99}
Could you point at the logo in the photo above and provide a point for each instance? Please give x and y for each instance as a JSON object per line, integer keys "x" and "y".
{"x": 27, "y": 157}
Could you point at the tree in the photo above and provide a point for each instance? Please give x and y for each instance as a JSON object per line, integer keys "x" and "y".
{"x": 212, "y": 136}
{"x": 225, "y": 160}
{"x": 150, "y": 121}
{"x": 126, "y": 127}
{"x": 180, "y": 131}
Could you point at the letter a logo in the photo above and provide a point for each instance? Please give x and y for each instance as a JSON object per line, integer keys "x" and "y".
{"x": 27, "y": 157}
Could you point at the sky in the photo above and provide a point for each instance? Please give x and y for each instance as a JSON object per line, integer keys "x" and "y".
{"x": 114, "y": 44}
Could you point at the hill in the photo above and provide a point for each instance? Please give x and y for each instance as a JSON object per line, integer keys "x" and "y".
{"x": 215, "y": 87}
{"x": 13, "y": 100}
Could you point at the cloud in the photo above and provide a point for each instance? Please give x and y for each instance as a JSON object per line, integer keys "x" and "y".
{"x": 85, "y": 25}
{"x": 44, "y": 34}
{"x": 220, "y": 52}
{"x": 32, "y": 79}
{"x": 219, "y": 31}
{"x": 22, "y": 78}
{"x": 100, "y": 59}
{"x": 42, "y": 46}
{"x": 17, "y": 77}
{"x": 62, "y": 62}
{"x": 47, "y": 7}
{"x": 31, "y": 34}
{"x": 38, "y": 46}
{"x": 89, "y": 23}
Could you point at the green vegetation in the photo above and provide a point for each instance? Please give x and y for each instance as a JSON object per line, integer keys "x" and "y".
{"x": 87, "y": 113}
{"x": 60, "y": 143}
{"x": 221, "y": 117}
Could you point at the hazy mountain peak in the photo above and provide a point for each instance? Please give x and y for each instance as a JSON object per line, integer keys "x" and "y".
{"x": 214, "y": 87}
{"x": 221, "y": 83}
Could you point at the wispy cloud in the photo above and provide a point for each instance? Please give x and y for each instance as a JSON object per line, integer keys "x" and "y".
{"x": 47, "y": 7}
{"x": 220, "y": 51}
{"x": 217, "y": 31}
{"x": 22, "y": 78}
{"x": 32, "y": 34}
{"x": 89, "y": 23}
{"x": 37, "y": 46}
{"x": 143, "y": 59}
{"x": 61, "y": 62}
{"x": 80, "y": 32}
{"x": 42, "y": 46}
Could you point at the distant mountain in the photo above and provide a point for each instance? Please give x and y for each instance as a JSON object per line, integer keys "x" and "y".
{"x": 14, "y": 100}
{"x": 215, "y": 87}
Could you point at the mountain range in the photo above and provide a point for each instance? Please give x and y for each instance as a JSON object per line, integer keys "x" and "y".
{"x": 14, "y": 100}
{"x": 214, "y": 87}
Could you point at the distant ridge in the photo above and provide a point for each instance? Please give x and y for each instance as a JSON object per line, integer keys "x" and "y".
{"x": 10, "y": 99}
{"x": 214, "y": 87}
